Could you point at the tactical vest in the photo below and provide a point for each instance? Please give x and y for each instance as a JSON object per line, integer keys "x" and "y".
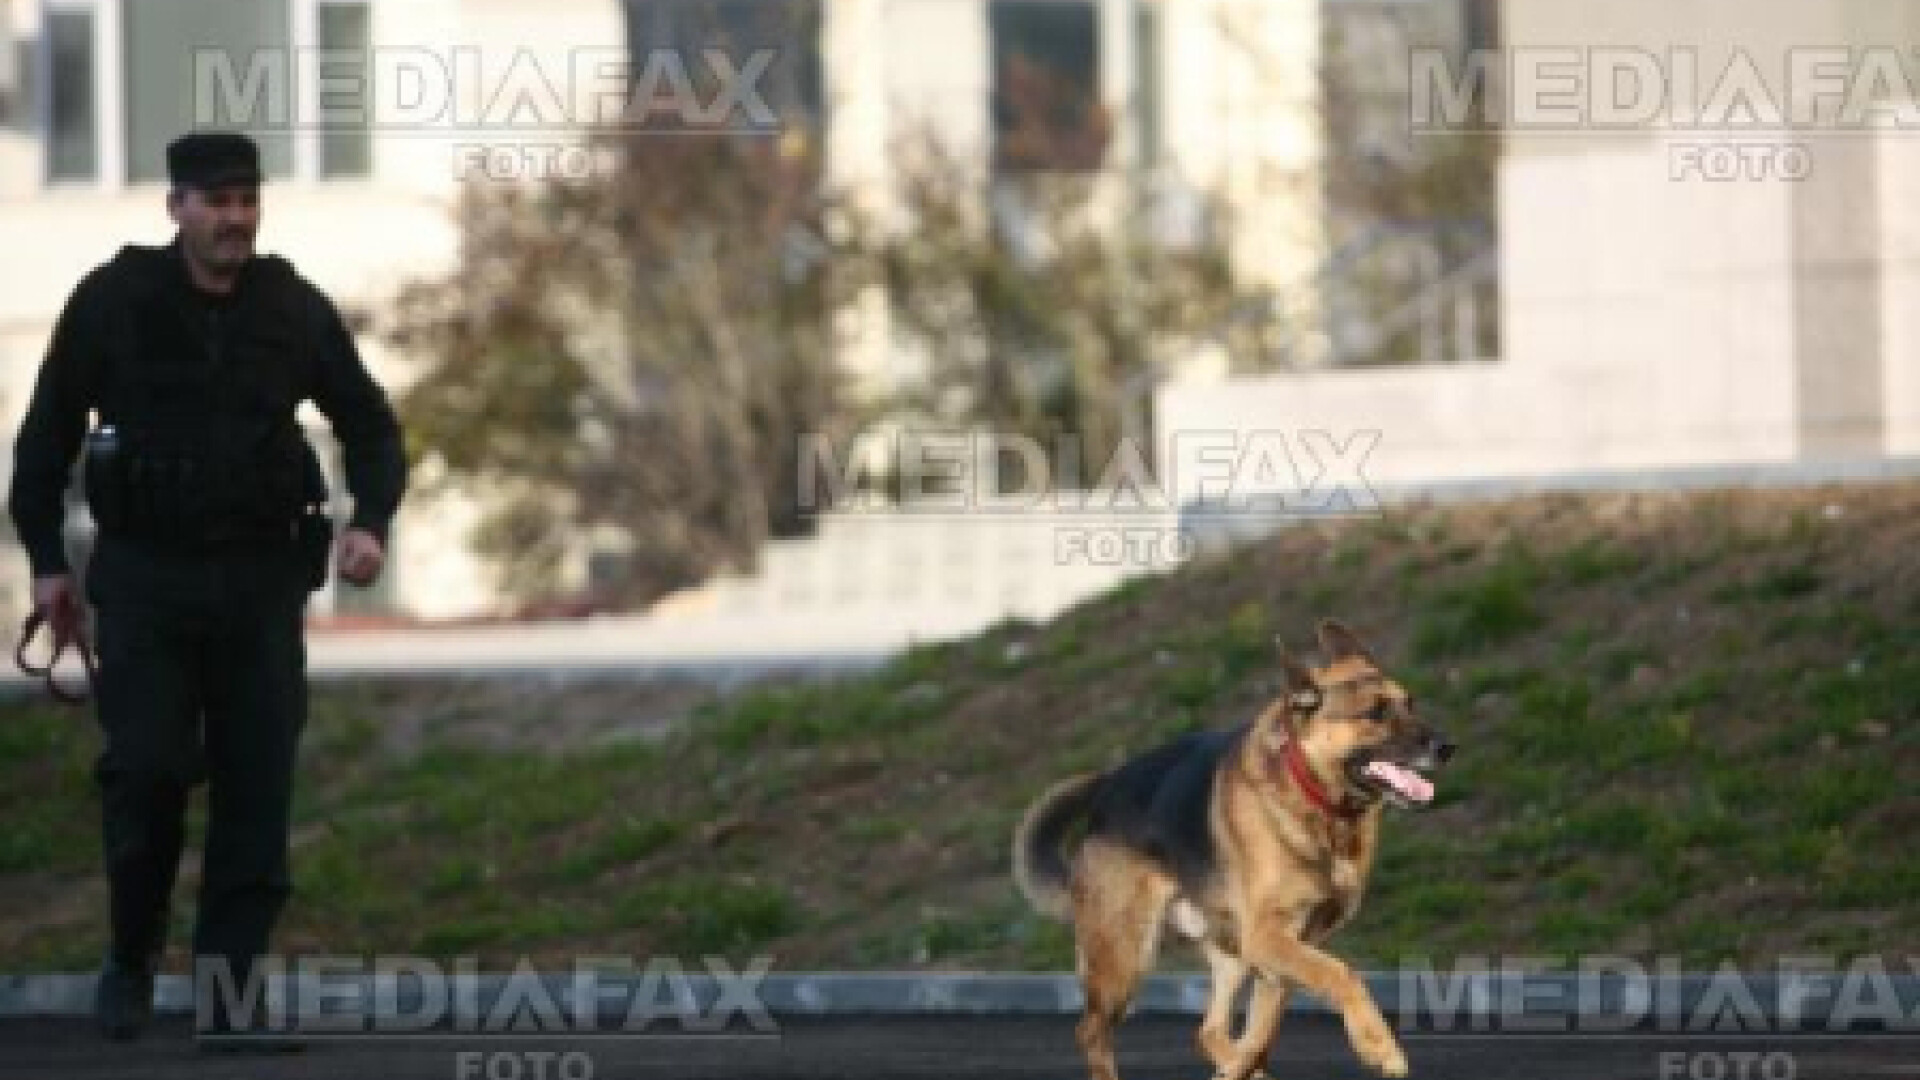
{"x": 198, "y": 403}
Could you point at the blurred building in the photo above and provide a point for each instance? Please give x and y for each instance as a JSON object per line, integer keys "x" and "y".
{"x": 1701, "y": 283}
{"x": 1220, "y": 94}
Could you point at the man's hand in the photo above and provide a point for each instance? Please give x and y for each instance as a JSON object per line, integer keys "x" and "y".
{"x": 360, "y": 557}
{"x": 57, "y": 601}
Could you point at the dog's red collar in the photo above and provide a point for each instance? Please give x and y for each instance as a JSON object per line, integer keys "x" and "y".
{"x": 1310, "y": 786}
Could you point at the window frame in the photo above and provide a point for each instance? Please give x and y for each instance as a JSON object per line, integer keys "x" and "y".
{"x": 312, "y": 140}
{"x": 110, "y": 124}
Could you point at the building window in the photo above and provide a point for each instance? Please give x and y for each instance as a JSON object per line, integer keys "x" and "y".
{"x": 1047, "y": 113}
{"x": 345, "y": 106}
{"x": 792, "y": 85}
{"x": 13, "y": 62}
{"x": 1146, "y": 81}
{"x": 169, "y": 42}
{"x": 72, "y": 145}
{"x": 1482, "y": 25}
{"x": 118, "y": 80}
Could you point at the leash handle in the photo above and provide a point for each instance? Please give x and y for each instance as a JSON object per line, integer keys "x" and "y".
{"x": 61, "y": 639}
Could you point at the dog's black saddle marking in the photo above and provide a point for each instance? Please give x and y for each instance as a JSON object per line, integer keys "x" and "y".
{"x": 1157, "y": 804}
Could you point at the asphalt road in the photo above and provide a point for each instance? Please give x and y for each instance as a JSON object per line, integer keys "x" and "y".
{"x": 1151, "y": 1048}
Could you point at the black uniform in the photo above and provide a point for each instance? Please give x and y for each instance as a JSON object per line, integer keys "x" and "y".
{"x": 199, "y": 575}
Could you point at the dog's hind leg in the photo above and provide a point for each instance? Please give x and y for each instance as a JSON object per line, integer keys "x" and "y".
{"x": 1118, "y": 902}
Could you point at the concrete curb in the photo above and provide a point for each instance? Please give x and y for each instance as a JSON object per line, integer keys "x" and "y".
{"x": 1856, "y": 997}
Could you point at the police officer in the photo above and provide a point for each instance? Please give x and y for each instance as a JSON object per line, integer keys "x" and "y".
{"x": 193, "y": 358}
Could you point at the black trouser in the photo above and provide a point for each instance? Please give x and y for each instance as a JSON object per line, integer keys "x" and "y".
{"x": 202, "y": 676}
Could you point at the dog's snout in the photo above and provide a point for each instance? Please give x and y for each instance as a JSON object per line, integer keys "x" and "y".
{"x": 1442, "y": 749}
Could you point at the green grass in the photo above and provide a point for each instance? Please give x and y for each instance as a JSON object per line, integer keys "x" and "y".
{"x": 1592, "y": 562}
{"x": 813, "y": 713}
{"x": 702, "y": 914}
{"x": 1788, "y": 582}
{"x": 46, "y": 771}
{"x": 628, "y": 841}
{"x": 1495, "y": 605}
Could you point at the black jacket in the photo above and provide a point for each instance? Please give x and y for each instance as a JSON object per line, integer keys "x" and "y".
{"x": 275, "y": 334}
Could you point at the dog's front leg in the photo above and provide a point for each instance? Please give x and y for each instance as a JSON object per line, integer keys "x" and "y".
{"x": 1269, "y": 1004}
{"x": 1247, "y": 1056}
{"x": 1278, "y": 955}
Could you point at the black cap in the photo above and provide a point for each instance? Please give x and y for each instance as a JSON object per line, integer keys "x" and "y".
{"x": 208, "y": 159}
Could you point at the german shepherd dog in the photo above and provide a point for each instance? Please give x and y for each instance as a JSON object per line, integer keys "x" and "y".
{"x": 1255, "y": 843}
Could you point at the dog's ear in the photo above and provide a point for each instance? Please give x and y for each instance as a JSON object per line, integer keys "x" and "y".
{"x": 1339, "y": 643}
{"x": 1302, "y": 689}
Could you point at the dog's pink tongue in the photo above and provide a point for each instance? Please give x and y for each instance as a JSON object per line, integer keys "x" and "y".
{"x": 1405, "y": 781}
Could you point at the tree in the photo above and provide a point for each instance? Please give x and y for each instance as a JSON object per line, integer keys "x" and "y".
{"x": 634, "y": 354}
{"x": 1045, "y": 304}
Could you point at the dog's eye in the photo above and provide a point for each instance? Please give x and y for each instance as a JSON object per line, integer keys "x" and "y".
{"x": 1379, "y": 711}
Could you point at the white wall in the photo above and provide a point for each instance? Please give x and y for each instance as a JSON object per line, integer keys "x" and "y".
{"x": 1650, "y": 319}
{"x": 941, "y": 574}
{"x": 1240, "y": 86}
{"x": 938, "y": 63}
{"x": 1899, "y": 190}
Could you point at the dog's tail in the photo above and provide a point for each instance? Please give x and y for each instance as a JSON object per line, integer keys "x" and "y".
{"x": 1040, "y": 848}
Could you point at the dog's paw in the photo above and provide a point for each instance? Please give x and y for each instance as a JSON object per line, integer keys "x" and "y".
{"x": 1382, "y": 1053}
{"x": 1392, "y": 1063}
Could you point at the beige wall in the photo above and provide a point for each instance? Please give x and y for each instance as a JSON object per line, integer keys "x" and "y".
{"x": 1899, "y": 301}
{"x": 1801, "y": 284}
{"x": 1241, "y": 99}
{"x": 1649, "y": 320}
{"x": 956, "y": 574}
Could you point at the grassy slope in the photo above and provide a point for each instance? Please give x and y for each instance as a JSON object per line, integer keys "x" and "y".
{"x": 1689, "y": 726}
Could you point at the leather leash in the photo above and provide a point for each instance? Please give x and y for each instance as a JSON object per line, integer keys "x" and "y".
{"x": 61, "y": 639}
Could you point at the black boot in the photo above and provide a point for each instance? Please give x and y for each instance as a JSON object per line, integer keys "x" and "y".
{"x": 123, "y": 1000}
